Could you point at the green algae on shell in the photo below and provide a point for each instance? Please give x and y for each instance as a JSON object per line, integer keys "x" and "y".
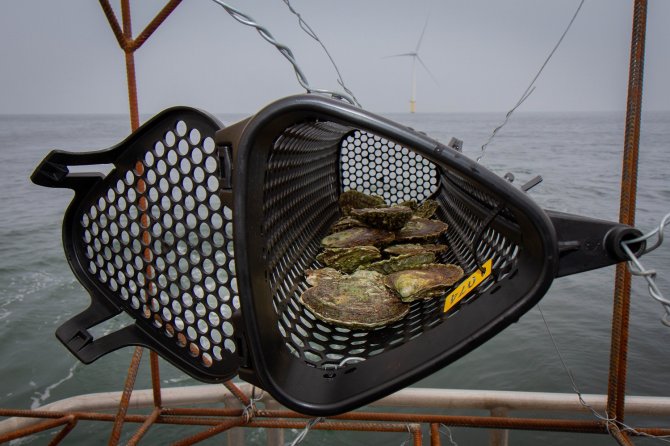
{"x": 423, "y": 282}
{"x": 426, "y": 209}
{"x": 358, "y": 237}
{"x": 421, "y": 229}
{"x": 414, "y": 248}
{"x": 353, "y": 199}
{"x": 391, "y": 218}
{"x": 400, "y": 263}
{"x": 347, "y": 260}
{"x": 412, "y": 204}
{"x": 357, "y": 301}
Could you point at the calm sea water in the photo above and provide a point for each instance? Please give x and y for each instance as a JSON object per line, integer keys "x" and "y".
{"x": 579, "y": 157}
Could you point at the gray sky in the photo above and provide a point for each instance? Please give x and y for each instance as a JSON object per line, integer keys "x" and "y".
{"x": 61, "y": 56}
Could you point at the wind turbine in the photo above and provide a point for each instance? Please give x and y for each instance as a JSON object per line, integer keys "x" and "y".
{"x": 415, "y": 57}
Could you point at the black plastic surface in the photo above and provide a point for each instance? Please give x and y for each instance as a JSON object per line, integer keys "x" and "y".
{"x": 204, "y": 239}
{"x": 293, "y": 159}
{"x": 153, "y": 238}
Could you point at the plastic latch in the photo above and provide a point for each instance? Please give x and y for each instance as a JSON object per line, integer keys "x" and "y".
{"x": 531, "y": 183}
{"x": 456, "y": 144}
{"x": 226, "y": 166}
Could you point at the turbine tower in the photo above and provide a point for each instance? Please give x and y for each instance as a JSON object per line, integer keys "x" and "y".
{"x": 415, "y": 57}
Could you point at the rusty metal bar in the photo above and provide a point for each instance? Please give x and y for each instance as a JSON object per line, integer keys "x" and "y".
{"x": 144, "y": 427}
{"x": 63, "y": 433}
{"x": 620, "y": 437}
{"x": 222, "y": 427}
{"x": 125, "y": 398}
{"x": 46, "y": 425}
{"x": 244, "y": 399}
{"x": 130, "y": 65}
{"x": 154, "y": 24}
{"x": 435, "y": 434}
{"x": 566, "y": 425}
{"x": 621, "y": 310}
{"x": 114, "y": 24}
{"x": 156, "y": 380}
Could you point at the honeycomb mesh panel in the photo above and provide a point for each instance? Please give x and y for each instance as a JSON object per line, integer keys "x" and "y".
{"x": 160, "y": 240}
{"x": 375, "y": 165}
{"x": 308, "y": 166}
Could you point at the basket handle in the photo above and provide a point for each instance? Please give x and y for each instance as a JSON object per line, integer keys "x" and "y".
{"x": 587, "y": 243}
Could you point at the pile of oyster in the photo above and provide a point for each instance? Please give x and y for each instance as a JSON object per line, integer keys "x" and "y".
{"x": 378, "y": 259}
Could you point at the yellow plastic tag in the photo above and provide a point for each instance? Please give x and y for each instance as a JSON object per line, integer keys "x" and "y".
{"x": 468, "y": 285}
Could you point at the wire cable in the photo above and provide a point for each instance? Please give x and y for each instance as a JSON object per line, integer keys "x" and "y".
{"x": 531, "y": 87}
{"x": 311, "y": 33}
{"x": 283, "y": 49}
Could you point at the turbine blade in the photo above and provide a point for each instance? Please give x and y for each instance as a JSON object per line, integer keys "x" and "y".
{"x": 418, "y": 44}
{"x": 427, "y": 70}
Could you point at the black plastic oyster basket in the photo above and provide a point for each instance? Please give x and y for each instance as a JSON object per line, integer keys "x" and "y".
{"x": 203, "y": 235}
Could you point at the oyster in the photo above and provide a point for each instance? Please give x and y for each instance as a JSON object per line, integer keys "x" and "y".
{"x": 391, "y": 218}
{"x": 358, "y": 237}
{"x": 401, "y": 262}
{"x": 413, "y": 248}
{"x": 426, "y": 209}
{"x": 353, "y": 199}
{"x": 347, "y": 260}
{"x": 421, "y": 229}
{"x": 346, "y": 223}
{"x": 423, "y": 282}
{"x": 360, "y": 300}
{"x": 315, "y": 277}
{"x": 412, "y": 204}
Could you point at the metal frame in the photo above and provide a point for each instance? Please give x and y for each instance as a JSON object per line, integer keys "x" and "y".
{"x": 248, "y": 415}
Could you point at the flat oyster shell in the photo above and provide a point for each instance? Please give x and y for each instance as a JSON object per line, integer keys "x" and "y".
{"x": 413, "y": 248}
{"x": 359, "y": 301}
{"x": 391, "y": 218}
{"x": 401, "y": 262}
{"x": 424, "y": 281}
{"x": 347, "y": 222}
{"x": 426, "y": 209}
{"x": 412, "y": 204}
{"x": 347, "y": 260}
{"x": 421, "y": 229}
{"x": 315, "y": 277}
{"x": 353, "y": 199}
{"x": 358, "y": 237}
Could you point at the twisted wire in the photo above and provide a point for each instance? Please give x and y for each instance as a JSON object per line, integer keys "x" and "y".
{"x": 283, "y": 49}
{"x": 451, "y": 439}
{"x": 531, "y": 87}
{"x": 611, "y": 423}
{"x": 637, "y": 269}
{"x": 301, "y": 436}
{"x": 311, "y": 33}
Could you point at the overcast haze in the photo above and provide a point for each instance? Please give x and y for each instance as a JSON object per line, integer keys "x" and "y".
{"x": 61, "y": 56}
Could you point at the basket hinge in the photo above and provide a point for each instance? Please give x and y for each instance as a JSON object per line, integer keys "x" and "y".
{"x": 587, "y": 243}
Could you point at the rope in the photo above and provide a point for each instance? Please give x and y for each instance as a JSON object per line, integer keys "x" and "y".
{"x": 283, "y": 49}
{"x": 637, "y": 269}
{"x": 531, "y": 87}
